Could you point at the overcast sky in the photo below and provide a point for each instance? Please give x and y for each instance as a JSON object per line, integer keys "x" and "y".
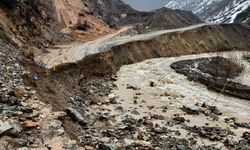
{"x": 146, "y": 5}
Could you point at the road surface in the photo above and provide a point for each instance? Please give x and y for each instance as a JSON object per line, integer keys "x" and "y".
{"x": 76, "y": 52}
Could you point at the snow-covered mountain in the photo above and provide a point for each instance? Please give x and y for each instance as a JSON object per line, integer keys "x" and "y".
{"x": 219, "y": 11}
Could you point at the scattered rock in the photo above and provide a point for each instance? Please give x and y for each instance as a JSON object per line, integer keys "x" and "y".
{"x": 212, "y": 133}
{"x": 135, "y": 112}
{"x": 76, "y": 116}
{"x": 246, "y": 135}
{"x": 179, "y": 120}
{"x": 190, "y": 111}
{"x": 5, "y": 127}
{"x": 105, "y": 146}
{"x": 4, "y": 98}
{"x": 30, "y": 124}
{"x": 152, "y": 84}
{"x": 180, "y": 147}
{"x": 132, "y": 87}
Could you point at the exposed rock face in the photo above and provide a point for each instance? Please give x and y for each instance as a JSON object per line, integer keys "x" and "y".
{"x": 243, "y": 17}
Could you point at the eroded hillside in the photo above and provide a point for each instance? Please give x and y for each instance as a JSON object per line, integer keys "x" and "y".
{"x": 93, "y": 100}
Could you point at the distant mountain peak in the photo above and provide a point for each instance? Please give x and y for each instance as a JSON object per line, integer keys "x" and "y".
{"x": 218, "y": 11}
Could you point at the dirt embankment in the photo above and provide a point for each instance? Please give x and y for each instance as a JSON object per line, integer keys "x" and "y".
{"x": 205, "y": 39}
{"x": 41, "y": 24}
{"x": 36, "y": 24}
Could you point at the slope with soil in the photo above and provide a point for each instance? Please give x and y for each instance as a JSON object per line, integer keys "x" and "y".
{"x": 204, "y": 39}
{"x": 82, "y": 113}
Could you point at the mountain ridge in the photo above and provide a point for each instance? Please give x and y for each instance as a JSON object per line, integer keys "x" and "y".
{"x": 218, "y": 11}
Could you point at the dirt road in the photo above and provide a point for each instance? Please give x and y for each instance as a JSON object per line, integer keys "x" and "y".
{"x": 77, "y": 51}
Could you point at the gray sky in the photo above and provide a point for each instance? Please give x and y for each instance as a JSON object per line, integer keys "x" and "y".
{"x": 146, "y": 5}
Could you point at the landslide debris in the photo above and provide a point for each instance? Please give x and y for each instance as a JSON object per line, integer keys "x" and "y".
{"x": 25, "y": 121}
{"x": 67, "y": 110}
{"x": 43, "y": 24}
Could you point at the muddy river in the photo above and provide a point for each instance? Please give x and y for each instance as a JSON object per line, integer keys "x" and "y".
{"x": 152, "y": 87}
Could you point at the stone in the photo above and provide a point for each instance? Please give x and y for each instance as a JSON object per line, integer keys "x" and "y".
{"x": 107, "y": 147}
{"x": 180, "y": 147}
{"x": 112, "y": 96}
{"x": 16, "y": 129}
{"x": 23, "y": 148}
{"x": 4, "y": 99}
{"x": 105, "y": 139}
{"x": 34, "y": 78}
{"x": 135, "y": 112}
{"x": 190, "y": 111}
{"x": 159, "y": 130}
{"x": 76, "y": 116}
{"x": 128, "y": 142}
{"x": 152, "y": 84}
{"x": 30, "y": 124}
{"x": 89, "y": 148}
{"x": 179, "y": 119}
{"x": 5, "y": 127}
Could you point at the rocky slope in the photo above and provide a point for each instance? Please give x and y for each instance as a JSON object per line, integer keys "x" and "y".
{"x": 43, "y": 23}
{"x": 244, "y": 17}
{"x": 53, "y": 19}
{"x": 218, "y": 11}
{"x": 74, "y": 106}
{"x": 116, "y": 12}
